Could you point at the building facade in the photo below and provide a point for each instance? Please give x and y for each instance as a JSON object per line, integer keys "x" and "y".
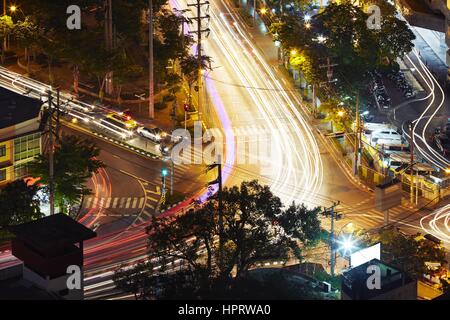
{"x": 21, "y": 127}
{"x": 394, "y": 284}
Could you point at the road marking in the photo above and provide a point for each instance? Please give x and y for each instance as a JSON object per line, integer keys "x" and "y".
{"x": 94, "y": 203}
{"x": 128, "y": 203}
{"x": 141, "y": 203}
{"x": 122, "y": 202}
{"x": 88, "y": 202}
{"x": 108, "y": 202}
{"x": 152, "y": 199}
{"x": 135, "y": 201}
{"x": 116, "y": 199}
{"x": 150, "y": 206}
{"x": 157, "y": 192}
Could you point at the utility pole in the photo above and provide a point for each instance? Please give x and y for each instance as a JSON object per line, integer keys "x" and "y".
{"x": 411, "y": 148}
{"x": 329, "y": 66}
{"x": 164, "y": 173}
{"x": 174, "y": 121}
{"x": 218, "y": 181}
{"x": 331, "y": 212}
{"x": 151, "y": 89}
{"x": 357, "y": 140}
{"x": 109, "y": 43}
{"x": 51, "y": 155}
{"x": 58, "y": 115}
{"x": 198, "y": 5}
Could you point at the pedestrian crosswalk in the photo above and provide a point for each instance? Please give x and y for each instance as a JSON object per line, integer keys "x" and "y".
{"x": 113, "y": 202}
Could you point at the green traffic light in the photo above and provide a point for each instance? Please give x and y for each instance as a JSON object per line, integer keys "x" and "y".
{"x": 164, "y": 172}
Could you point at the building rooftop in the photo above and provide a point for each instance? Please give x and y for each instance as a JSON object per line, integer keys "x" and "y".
{"x": 354, "y": 281}
{"x": 15, "y": 108}
{"x": 57, "y": 230}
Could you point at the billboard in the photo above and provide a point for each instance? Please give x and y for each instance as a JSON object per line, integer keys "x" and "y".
{"x": 362, "y": 256}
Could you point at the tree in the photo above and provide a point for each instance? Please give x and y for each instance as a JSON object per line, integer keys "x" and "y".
{"x": 27, "y": 35}
{"x": 18, "y": 204}
{"x": 74, "y": 162}
{"x": 339, "y": 33}
{"x": 256, "y": 229}
{"x": 6, "y": 28}
{"x": 189, "y": 68}
{"x": 407, "y": 253}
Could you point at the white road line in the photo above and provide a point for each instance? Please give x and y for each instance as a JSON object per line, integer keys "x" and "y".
{"x": 128, "y": 203}
{"x": 108, "y": 202}
{"x": 88, "y": 202}
{"x": 116, "y": 199}
{"x": 141, "y": 203}
{"x": 135, "y": 201}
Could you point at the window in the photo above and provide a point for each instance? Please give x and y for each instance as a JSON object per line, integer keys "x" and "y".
{"x": 27, "y": 147}
{"x": 20, "y": 171}
{"x": 2, "y": 151}
{"x": 2, "y": 175}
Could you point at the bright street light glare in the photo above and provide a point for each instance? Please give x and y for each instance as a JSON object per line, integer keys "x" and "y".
{"x": 346, "y": 244}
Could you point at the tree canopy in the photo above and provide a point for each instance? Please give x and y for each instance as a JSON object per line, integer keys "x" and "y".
{"x": 74, "y": 162}
{"x": 256, "y": 228}
{"x": 339, "y": 35}
{"x": 18, "y": 204}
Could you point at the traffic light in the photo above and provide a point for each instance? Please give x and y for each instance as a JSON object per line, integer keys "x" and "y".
{"x": 186, "y": 107}
{"x": 164, "y": 172}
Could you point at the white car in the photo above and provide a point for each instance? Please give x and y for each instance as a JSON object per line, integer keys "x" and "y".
{"x": 154, "y": 134}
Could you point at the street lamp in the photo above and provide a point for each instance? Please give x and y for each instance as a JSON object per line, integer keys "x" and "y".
{"x": 321, "y": 38}
{"x": 307, "y": 25}
{"x": 293, "y": 52}
{"x": 341, "y": 113}
{"x": 263, "y": 11}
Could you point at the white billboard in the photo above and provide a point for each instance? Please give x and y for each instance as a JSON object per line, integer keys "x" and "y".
{"x": 362, "y": 256}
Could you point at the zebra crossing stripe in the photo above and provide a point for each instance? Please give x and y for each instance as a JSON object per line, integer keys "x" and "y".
{"x": 141, "y": 203}
{"x": 108, "y": 202}
{"x": 94, "y": 203}
{"x": 135, "y": 201}
{"x": 122, "y": 202}
{"x": 128, "y": 203}
{"x": 150, "y": 206}
{"x": 88, "y": 202}
{"x": 115, "y": 202}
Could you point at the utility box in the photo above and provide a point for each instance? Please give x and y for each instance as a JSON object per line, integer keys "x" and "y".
{"x": 388, "y": 195}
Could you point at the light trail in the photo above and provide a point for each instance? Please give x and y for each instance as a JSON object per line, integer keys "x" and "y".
{"x": 438, "y": 224}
